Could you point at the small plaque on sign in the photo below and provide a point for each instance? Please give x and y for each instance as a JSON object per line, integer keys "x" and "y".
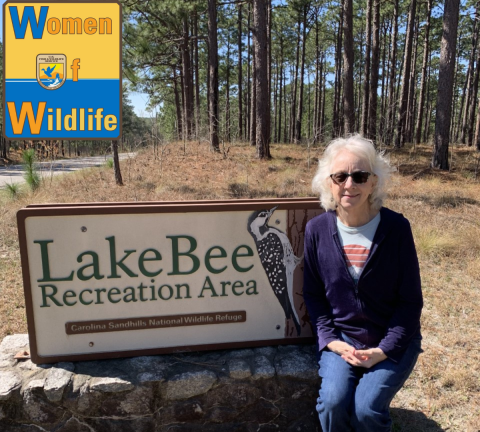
{"x": 115, "y": 325}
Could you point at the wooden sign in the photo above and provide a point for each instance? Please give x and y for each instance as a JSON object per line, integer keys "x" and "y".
{"x": 115, "y": 280}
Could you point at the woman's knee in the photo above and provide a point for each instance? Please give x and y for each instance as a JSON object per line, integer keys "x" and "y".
{"x": 336, "y": 391}
{"x": 370, "y": 415}
{"x": 334, "y": 399}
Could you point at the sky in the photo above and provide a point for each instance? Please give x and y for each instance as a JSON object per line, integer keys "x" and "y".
{"x": 139, "y": 100}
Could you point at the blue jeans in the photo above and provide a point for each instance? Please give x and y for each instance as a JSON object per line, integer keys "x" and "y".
{"x": 358, "y": 399}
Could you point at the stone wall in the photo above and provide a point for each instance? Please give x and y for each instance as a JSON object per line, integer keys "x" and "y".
{"x": 261, "y": 389}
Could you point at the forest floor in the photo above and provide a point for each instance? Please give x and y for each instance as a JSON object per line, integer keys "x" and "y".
{"x": 443, "y": 393}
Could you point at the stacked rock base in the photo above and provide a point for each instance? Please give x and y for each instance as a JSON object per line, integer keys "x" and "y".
{"x": 261, "y": 389}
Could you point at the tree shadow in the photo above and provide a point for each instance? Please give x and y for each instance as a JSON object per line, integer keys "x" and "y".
{"x": 418, "y": 169}
{"x": 412, "y": 421}
{"x": 446, "y": 201}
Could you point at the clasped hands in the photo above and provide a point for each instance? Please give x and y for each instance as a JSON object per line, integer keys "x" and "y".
{"x": 362, "y": 358}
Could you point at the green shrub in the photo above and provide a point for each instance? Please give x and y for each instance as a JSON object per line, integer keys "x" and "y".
{"x": 13, "y": 190}
{"x": 31, "y": 175}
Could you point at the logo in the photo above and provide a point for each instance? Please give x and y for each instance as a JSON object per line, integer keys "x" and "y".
{"x": 51, "y": 70}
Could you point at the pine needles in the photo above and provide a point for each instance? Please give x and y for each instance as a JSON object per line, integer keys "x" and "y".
{"x": 31, "y": 175}
{"x": 13, "y": 190}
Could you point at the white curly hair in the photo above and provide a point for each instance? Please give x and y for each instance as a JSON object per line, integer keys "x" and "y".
{"x": 362, "y": 148}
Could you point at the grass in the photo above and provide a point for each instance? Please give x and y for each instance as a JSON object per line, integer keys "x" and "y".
{"x": 443, "y": 392}
{"x": 13, "y": 190}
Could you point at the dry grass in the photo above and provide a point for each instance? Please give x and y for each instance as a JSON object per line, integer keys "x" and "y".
{"x": 443, "y": 208}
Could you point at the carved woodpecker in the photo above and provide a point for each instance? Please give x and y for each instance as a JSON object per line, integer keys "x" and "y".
{"x": 278, "y": 260}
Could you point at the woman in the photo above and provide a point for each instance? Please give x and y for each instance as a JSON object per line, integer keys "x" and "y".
{"x": 362, "y": 290}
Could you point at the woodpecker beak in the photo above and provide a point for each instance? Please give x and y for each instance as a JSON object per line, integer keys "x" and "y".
{"x": 271, "y": 212}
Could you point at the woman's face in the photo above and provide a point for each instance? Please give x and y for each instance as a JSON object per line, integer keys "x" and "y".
{"x": 350, "y": 196}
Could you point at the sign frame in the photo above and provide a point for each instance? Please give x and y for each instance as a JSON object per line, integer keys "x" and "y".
{"x": 89, "y": 209}
{"x": 120, "y": 74}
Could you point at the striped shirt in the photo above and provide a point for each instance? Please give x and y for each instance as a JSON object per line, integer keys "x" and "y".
{"x": 356, "y": 243}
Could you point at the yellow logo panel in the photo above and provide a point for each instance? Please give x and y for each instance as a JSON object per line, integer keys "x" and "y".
{"x": 62, "y": 70}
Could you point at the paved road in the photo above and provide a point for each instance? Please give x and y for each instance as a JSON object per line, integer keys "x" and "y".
{"x": 14, "y": 173}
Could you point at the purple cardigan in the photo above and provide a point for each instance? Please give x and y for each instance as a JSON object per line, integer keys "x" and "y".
{"x": 384, "y": 309}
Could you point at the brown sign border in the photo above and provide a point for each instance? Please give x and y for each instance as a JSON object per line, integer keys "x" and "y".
{"x": 149, "y": 203}
{"x": 72, "y": 209}
{"x": 40, "y": 2}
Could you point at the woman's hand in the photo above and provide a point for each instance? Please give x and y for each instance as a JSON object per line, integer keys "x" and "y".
{"x": 364, "y": 358}
{"x": 341, "y": 348}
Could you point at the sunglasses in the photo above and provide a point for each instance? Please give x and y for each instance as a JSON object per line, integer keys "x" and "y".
{"x": 358, "y": 177}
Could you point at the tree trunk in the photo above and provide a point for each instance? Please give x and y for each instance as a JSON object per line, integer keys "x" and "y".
{"x": 348, "y": 65}
{"x": 116, "y": 164}
{"x": 3, "y": 148}
{"x": 182, "y": 97}
{"x": 187, "y": 80}
{"x": 458, "y": 115}
{"x": 178, "y": 104}
{"x": 423, "y": 87}
{"x": 366, "y": 81}
{"x": 253, "y": 92}
{"x": 249, "y": 89}
{"x": 240, "y": 108}
{"x": 429, "y": 102}
{"x": 295, "y": 81}
{"x": 386, "y": 27}
{"x": 427, "y": 123}
{"x": 324, "y": 92}
{"x": 213, "y": 75}
{"x": 269, "y": 76}
{"x": 261, "y": 79}
{"x": 392, "y": 103}
{"x": 373, "y": 98}
{"x": 275, "y": 104}
{"x": 279, "y": 131}
{"x": 473, "y": 104}
{"x": 469, "y": 92}
{"x": 290, "y": 120}
{"x": 285, "y": 127}
{"x": 477, "y": 130}
{"x": 227, "y": 93}
{"x": 473, "y": 99}
{"x": 402, "y": 108}
{"x": 411, "y": 87}
{"x": 197, "y": 79}
{"x": 298, "y": 125}
{"x": 338, "y": 80}
{"x": 445, "y": 85}
{"x": 359, "y": 87}
{"x": 309, "y": 107}
{"x": 318, "y": 86}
